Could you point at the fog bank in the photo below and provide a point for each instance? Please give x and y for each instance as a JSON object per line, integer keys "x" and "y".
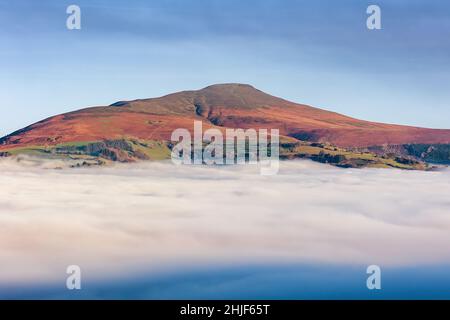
{"x": 157, "y": 216}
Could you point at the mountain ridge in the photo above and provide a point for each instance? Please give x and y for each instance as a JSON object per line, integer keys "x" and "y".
{"x": 221, "y": 106}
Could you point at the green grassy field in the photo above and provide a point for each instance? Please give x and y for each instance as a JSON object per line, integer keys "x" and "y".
{"x": 131, "y": 149}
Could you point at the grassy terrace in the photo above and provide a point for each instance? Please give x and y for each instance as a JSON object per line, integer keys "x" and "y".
{"x": 343, "y": 157}
{"x": 130, "y": 149}
{"x": 125, "y": 150}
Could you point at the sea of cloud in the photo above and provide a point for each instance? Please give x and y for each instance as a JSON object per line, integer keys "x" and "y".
{"x": 156, "y": 216}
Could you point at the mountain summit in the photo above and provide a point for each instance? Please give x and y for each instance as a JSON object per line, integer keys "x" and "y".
{"x": 230, "y": 105}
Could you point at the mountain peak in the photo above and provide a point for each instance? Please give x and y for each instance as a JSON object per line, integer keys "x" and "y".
{"x": 224, "y": 95}
{"x": 234, "y": 95}
{"x": 229, "y": 86}
{"x": 228, "y": 105}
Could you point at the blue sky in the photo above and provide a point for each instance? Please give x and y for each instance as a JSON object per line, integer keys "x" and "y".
{"x": 316, "y": 52}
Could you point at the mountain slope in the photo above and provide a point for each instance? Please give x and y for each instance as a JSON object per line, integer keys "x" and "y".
{"x": 220, "y": 106}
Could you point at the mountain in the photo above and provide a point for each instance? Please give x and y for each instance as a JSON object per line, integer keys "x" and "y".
{"x": 127, "y": 130}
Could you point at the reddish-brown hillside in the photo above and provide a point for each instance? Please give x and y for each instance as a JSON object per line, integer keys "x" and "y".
{"x": 224, "y": 105}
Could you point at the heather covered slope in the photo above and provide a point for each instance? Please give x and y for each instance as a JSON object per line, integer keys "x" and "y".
{"x": 145, "y": 121}
{"x": 228, "y": 105}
